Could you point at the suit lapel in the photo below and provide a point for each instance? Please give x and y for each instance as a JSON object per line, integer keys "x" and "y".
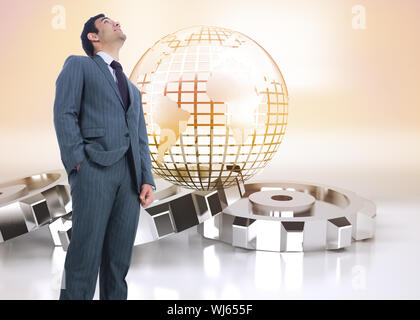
{"x": 104, "y": 68}
{"x": 131, "y": 93}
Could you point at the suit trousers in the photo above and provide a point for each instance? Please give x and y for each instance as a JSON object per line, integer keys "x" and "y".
{"x": 106, "y": 208}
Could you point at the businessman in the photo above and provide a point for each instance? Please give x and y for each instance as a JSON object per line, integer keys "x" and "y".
{"x": 101, "y": 132}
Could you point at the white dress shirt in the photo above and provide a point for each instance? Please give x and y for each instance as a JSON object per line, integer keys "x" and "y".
{"x": 108, "y": 60}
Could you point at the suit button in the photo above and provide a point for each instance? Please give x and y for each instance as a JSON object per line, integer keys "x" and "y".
{"x": 126, "y": 135}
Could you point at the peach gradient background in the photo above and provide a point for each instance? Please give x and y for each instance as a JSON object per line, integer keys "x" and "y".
{"x": 354, "y": 97}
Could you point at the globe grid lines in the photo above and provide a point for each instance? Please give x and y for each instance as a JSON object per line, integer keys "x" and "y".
{"x": 270, "y": 151}
{"x": 225, "y": 32}
{"x": 283, "y": 125}
{"x": 257, "y": 163}
{"x": 262, "y": 147}
{"x": 195, "y": 111}
{"x": 268, "y": 123}
{"x": 154, "y": 136}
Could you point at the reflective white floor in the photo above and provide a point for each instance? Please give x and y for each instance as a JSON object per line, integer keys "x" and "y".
{"x": 187, "y": 266}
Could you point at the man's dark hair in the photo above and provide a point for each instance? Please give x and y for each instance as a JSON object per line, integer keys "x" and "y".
{"x": 88, "y": 28}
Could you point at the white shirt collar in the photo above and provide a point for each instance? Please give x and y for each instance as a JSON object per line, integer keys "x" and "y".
{"x": 107, "y": 58}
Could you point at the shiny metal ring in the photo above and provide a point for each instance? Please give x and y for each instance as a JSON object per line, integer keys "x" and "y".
{"x": 29, "y": 203}
{"x": 337, "y": 217}
{"x": 273, "y": 216}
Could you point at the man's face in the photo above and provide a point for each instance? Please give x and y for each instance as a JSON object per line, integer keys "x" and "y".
{"x": 109, "y": 30}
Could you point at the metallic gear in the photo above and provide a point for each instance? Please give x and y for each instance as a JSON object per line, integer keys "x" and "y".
{"x": 273, "y": 216}
{"x": 29, "y": 203}
{"x": 291, "y": 216}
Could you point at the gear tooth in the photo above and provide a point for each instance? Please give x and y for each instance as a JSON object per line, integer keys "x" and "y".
{"x": 339, "y": 232}
{"x": 12, "y": 222}
{"x": 65, "y": 237}
{"x": 35, "y": 210}
{"x": 292, "y": 236}
{"x": 243, "y": 232}
{"x": 325, "y": 225}
{"x": 57, "y": 198}
{"x": 363, "y": 220}
{"x": 24, "y": 207}
{"x": 60, "y": 230}
{"x": 315, "y": 235}
{"x": 365, "y": 227}
{"x": 366, "y": 221}
{"x": 212, "y": 211}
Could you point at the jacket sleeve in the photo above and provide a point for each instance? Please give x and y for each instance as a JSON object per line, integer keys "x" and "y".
{"x": 146, "y": 163}
{"x": 68, "y": 97}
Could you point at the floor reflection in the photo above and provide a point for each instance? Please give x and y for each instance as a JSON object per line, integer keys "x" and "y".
{"x": 57, "y": 266}
{"x": 188, "y": 266}
{"x": 268, "y": 271}
{"x": 211, "y": 262}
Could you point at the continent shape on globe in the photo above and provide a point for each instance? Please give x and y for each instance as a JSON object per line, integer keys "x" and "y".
{"x": 215, "y": 105}
{"x": 174, "y": 123}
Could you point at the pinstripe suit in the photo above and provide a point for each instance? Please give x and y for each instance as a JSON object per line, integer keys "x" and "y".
{"x": 93, "y": 128}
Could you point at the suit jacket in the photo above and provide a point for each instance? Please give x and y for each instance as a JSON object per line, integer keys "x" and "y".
{"x": 90, "y": 119}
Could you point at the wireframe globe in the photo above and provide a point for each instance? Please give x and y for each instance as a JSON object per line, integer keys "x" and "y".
{"x": 215, "y": 105}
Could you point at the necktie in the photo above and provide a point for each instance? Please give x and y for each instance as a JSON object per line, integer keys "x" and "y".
{"x": 122, "y": 83}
